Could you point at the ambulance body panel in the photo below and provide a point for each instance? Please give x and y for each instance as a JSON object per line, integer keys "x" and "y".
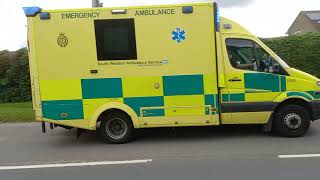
{"x": 163, "y": 66}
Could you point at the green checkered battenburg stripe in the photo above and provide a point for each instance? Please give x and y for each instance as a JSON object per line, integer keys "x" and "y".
{"x": 54, "y": 109}
{"x": 263, "y": 81}
{"x": 258, "y": 81}
{"x": 112, "y": 88}
{"x": 172, "y": 86}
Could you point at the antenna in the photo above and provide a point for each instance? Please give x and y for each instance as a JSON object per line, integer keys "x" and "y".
{"x": 96, "y": 3}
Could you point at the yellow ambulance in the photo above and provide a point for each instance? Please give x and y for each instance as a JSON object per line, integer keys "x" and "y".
{"x": 118, "y": 69}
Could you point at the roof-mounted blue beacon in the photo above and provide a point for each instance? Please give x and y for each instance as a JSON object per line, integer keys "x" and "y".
{"x": 32, "y": 11}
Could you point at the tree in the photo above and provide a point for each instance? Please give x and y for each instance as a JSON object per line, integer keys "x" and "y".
{"x": 15, "y": 78}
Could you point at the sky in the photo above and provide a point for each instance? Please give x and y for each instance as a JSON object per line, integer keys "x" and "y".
{"x": 264, "y": 18}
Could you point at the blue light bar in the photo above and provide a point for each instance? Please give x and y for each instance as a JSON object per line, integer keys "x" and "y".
{"x": 187, "y": 9}
{"x": 44, "y": 15}
{"x": 217, "y": 17}
{"x": 31, "y": 11}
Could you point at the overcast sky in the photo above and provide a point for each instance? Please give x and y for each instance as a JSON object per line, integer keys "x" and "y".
{"x": 265, "y": 18}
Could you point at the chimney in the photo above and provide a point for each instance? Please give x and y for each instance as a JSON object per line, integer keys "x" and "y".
{"x": 96, "y": 3}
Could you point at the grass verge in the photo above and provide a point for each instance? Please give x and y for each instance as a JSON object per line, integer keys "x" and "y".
{"x": 16, "y": 112}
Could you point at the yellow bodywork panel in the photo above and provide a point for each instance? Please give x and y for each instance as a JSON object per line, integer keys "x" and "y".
{"x": 70, "y": 62}
{"x": 297, "y": 84}
{"x": 210, "y": 84}
{"x": 142, "y": 86}
{"x": 248, "y": 118}
{"x": 235, "y": 84}
{"x": 267, "y": 96}
{"x": 60, "y": 89}
{"x": 184, "y": 105}
{"x": 91, "y": 105}
{"x": 281, "y": 97}
{"x": 179, "y": 121}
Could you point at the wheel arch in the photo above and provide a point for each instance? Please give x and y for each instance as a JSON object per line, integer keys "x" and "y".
{"x": 300, "y": 101}
{"x": 283, "y": 100}
{"x": 298, "y": 98}
{"x": 115, "y": 106}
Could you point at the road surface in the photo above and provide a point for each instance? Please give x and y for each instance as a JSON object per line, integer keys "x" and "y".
{"x": 229, "y": 152}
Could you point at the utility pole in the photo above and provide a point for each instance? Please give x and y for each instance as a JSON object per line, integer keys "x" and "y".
{"x": 96, "y": 3}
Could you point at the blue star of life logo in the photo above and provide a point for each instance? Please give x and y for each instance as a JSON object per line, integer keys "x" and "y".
{"x": 178, "y": 35}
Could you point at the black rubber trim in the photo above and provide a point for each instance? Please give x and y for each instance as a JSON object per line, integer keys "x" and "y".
{"x": 315, "y": 106}
{"x": 215, "y": 35}
{"x": 248, "y": 107}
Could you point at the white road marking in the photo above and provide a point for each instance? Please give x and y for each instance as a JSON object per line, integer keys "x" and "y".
{"x": 298, "y": 156}
{"x": 102, "y": 163}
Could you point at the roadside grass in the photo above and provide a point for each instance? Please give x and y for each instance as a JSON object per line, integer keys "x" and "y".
{"x": 16, "y": 112}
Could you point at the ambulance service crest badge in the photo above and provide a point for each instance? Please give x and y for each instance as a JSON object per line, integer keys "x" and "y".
{"x": 62, "y": 40}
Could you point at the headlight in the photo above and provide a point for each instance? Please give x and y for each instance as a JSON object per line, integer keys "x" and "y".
{"x": 318, "y": 83}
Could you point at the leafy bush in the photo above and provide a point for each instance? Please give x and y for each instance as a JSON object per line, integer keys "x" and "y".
{"x": 14, "y": 76}
{"x": 299, "y": 51}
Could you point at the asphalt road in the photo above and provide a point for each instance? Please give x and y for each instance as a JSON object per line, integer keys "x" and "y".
{"x": 230, "y": 152}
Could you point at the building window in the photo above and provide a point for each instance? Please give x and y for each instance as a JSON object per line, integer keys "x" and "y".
{"x": 115, "y": 39}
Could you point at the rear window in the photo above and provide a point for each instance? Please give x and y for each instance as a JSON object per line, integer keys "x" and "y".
{"x": 115, "y": 39}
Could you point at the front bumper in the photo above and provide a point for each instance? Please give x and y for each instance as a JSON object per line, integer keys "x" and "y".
{"x": 315, "y": 107}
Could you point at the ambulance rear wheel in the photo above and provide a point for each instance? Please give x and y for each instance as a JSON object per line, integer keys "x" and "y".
{"x": 292, "y": 121}
{"x": 116, "y": 128}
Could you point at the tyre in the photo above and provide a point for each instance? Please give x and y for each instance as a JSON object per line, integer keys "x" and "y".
{"x": 116, "y": 128}
{"x": 292, "y": 121}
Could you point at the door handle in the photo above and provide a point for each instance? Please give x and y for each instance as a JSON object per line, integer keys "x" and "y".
{"x": 235, "y": 79}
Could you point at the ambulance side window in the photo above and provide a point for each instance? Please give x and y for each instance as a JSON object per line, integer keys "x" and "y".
{"x": 267, "y": 63}
{"x": 241, "y": 54}
{"x": 248, "y": 55}
{"x": 115, "y": 39}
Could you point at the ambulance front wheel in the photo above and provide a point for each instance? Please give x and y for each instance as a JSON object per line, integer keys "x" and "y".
{"x": 116, "y": 128}
{"x": 292, "y": 121}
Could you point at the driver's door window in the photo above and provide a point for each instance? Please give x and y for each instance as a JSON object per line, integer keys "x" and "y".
{"x": 241, "y": 54}
{"x": 247, "y": 55}
{"x": 266, "y": 62}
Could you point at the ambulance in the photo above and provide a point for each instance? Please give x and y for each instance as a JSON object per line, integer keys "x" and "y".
{"x": 115, "y": 70}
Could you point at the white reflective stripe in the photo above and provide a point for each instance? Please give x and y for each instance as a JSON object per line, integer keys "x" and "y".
{"x": 119, "y": 11}
{"x": 102, "y": 163}
{"x": 298, "y": 156}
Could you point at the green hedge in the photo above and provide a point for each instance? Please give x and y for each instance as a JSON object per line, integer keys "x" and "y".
{"x": 14, "y": 76}
{"x": 299, "y": 51}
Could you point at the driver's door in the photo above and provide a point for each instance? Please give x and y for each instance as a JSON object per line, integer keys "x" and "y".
{"x": 252, "y": 82}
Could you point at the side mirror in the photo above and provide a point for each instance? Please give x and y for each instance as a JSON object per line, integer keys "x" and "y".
{"x": 276, "y": 68}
